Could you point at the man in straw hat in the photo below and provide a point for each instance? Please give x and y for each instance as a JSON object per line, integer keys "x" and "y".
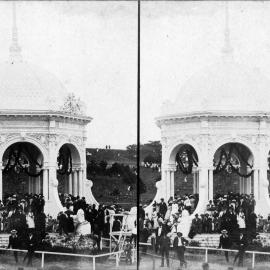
{"x": 225, "y": 243}
{"x": 179, "y": 243}
{"x": 14, "y": 243}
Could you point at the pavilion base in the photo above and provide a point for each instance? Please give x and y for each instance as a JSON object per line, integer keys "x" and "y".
{"x": 53, "y": 208}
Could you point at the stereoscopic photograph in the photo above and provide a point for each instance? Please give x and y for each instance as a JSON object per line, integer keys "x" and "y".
{"x": 205, "y": 105}
{"x": 68, "y": 118}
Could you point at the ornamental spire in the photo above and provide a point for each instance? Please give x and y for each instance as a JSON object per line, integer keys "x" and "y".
{"x": 227, "y": 49}
{"x": 14, "y": 49}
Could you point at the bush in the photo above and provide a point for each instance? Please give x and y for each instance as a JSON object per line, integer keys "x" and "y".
{"x": 194, "y": 243}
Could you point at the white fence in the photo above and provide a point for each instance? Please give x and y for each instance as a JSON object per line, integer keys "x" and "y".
{"x": 206, "y": 252}
{"x": 93, "y": 257}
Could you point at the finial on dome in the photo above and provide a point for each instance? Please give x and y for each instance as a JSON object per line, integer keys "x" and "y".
{"x": 227, "y": 49}
{"x": 14, "y": 49}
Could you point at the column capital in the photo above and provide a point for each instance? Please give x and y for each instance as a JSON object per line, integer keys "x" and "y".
{"x": 203, "y": 167}
{"x": 169, "y": 167}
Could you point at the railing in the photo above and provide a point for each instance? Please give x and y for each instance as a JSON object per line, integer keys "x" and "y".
{"x": 206, "y": 252}
{"x": 117, "y": 255}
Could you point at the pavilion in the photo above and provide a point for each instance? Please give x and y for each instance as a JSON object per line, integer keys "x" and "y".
{"x": 43, "y": 133}
{"x": 220, "y": 122}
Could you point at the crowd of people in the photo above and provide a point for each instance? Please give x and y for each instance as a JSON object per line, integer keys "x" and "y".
{"x": 98, "y": 217}
{"x": 232, "y": 212}
{"x": 165, "y": 215}
{"x": 232, "y": 215}
{"x": 23, "y": 213}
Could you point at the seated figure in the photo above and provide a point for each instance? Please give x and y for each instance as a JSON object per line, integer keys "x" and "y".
{"x": 83, "y": 227}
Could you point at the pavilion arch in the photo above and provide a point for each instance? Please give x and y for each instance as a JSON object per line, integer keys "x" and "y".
{"x": 78, "y": 155}
{"x": 23, "y": 164}
{"x": 70, "y": 178}
{"x": 27, "y": 139}
{"x": 165, "y": 187}
{"x": 237, "y": 176}
{"x": 174, "y": 148}
{"x": 220, "y": 143}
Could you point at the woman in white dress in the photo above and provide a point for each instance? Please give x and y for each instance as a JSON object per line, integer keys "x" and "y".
{"x": 30, "y": 221}
{"x": 241, "y": 221}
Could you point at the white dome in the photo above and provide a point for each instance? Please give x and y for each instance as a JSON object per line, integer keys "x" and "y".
{"x": 27, "y": 87}
{"x": 225, "y": 86}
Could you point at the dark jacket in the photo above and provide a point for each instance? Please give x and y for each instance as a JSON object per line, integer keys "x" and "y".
{"x": 162, "y": 208}
{"x": 164, "y": 243}
{"x": 31, "y": 243}
{"x": 13, "y": 242}
{"x": 242, "y": 243}
{"x": 176, "y": 239}
{"x": 224, "y": 242}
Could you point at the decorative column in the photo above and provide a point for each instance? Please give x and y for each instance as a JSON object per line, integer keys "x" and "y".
{"x": 203, "y": 170}
{"x": 70, "y": 183}
{"x": 45, "y": 184}
{"x": 256, "y": 184}
{"x": 37, "y": 184}
{"x": 261, "y": 183}
{"x": 203, "y": 190}
{"x": 1, "y": 181}
{"x": 241, "y": 185}
{"x": 75, "y": 183}
{"x": 80, "y": 182}
{"x": 169, "y": 181}
{"x": 195, "y": 180}
{"x": 211, "y": 184}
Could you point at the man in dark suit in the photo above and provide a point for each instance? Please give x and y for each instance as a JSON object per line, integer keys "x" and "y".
{"x": 242, "y": 244}
{"x": 197, "y": 225}
{"x": 159, "y": 231}
{"x": 179, "y": 243}
{"x": 14, "y": 243}
{"x": 164, "y": 248}
{"x": 225, "y": 242}
{"x": 162, "y": 208}
{"x": 31, "y": 246}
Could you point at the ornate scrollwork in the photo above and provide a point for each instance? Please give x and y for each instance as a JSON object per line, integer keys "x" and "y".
{"x": 73, "y": 105}
{"x": 42, "y": 138}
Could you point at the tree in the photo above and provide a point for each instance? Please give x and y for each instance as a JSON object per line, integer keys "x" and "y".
{"x": 103, "y": 165}
{"x": 142, "y": 185}
{"x": 92, "y": 168}
{"x": 132, "y": 151}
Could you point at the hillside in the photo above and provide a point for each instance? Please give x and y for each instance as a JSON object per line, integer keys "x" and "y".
{"x": 182, "y": 184}
{"x": 108, "y": 190}
{"x": 149, "y": 177}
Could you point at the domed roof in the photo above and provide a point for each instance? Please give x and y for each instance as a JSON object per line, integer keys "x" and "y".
{"x": 24, "y": 86}
{"x": 223, "y": 87}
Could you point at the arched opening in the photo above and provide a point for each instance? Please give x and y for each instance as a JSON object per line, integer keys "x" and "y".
{"x": 68, "y": 171}
{"x": 22, "y": 170}
{"x": 186, "y": 176}
{"x": 268, "y": 172}
{"x": 233, "y": 170}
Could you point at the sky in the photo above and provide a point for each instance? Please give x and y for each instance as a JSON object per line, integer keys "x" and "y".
{"x": 180, "y": 38}
{"x": 91, "y": 47}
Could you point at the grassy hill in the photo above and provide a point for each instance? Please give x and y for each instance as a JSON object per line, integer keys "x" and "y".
{"x": 103, "y": 187}
{"x": 149, "y": 177}
{"x": 182, "y": 184}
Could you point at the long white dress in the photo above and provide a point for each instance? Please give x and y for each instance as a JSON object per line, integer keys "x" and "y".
{"x": 83, "y": 226}
{"x": 241, "y": 221}
{"x": 185, "y": 223}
